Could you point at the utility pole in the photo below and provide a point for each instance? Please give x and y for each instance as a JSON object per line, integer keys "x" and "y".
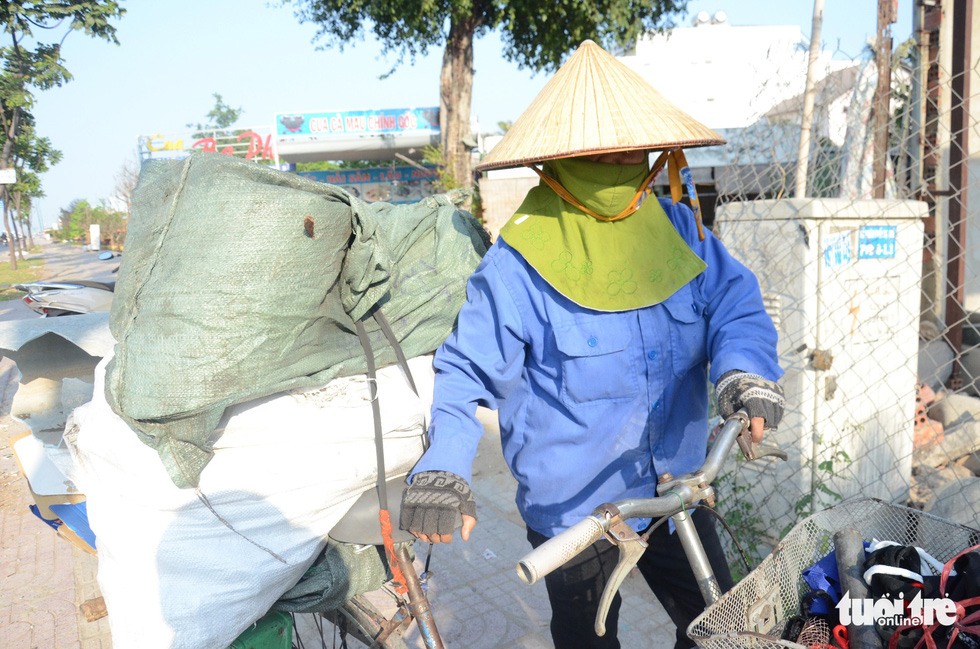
{"x": 959, "y": 154}
{"x": 803, "y": 153}
{"x": 887, "y": 14}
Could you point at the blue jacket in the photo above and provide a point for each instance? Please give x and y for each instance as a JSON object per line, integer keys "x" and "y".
{"x": 592, "y": 405}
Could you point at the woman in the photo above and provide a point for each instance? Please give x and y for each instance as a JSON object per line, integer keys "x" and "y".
{"x": 590, "y": 326}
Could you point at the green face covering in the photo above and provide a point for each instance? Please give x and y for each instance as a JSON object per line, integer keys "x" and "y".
{"x": 604, "y": 265}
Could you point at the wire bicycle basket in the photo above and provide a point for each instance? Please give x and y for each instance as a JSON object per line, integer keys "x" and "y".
{"x": 753, "y": 614}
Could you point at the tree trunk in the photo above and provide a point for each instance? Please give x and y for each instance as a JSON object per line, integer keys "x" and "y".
{"x": 29, "y": 240}
{"x": 8, "y": 146}
{"x": 18, "y": 249}
{"x": 455, "y": 92}
{"x": 6, "y": 226}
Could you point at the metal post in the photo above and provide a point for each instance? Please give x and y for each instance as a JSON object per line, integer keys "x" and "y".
{"x": 916, "y": 140}
{"x": 959, "y": 151}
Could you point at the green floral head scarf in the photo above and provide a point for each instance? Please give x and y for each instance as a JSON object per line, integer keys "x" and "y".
{"x": 604, "y": 265}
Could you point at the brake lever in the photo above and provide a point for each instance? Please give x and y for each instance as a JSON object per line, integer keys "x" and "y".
{"x": 752, "y": 451}
{"x": 631, "y": 548}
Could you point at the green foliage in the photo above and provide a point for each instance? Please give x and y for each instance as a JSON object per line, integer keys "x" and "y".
{"x": 536, "y": 35}
{"x": 74, "y": 222}
{"x": 744, "y": 513}
{"x": 43, "y": 68}
{"x": 220, "y": 117}
{"x": 743, "y": 516}
{"x": 824, "y": 470}
{"x": 327, "y": 165}
{"x": 25, "y": 70}
{"x": 28, "y": 270}
{"x": 446, "y": 177}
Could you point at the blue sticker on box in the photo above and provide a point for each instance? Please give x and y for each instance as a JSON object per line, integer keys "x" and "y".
{"x": 877, "y": 241}
{"x": 837, "y": 249}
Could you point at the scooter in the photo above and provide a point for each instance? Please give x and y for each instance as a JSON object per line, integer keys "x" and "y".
{"x": 69, "y": 297}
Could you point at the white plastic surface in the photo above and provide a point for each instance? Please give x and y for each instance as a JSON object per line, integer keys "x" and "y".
{"x": 285, "y": 469}
{"x": 862, "y": 309}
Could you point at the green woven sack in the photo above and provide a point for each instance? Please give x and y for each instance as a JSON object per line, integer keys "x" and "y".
{"x": 240, "y": 281}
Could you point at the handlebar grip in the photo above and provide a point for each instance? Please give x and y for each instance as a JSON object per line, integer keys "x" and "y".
{"x": 559, "y": 550}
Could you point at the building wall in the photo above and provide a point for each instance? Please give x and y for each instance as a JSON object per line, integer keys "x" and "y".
{"x": 724, "y": 75}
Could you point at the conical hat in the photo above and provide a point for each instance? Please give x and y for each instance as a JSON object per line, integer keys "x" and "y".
{"x": 595, "y": 104}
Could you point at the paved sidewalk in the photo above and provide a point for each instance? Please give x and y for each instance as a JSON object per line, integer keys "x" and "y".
{"x": 477, "y": 598}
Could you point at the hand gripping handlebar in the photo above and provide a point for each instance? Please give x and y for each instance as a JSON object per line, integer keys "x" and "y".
{"x": 561, "y": 549}
{"x": 677, "y": 494}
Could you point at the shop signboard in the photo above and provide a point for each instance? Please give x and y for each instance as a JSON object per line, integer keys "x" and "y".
{"x": 396, "y": 184}
{"x": 357, "y": 122}
{"x": 249, "y": 143}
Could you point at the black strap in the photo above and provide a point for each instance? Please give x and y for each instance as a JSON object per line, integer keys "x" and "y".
{"x": 376, "y": 410}
{"x": 375, "y": 404}
{"x": 399, "y": 354}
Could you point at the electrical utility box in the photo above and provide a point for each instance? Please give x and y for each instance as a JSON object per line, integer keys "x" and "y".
{"x": 841, "y": 279}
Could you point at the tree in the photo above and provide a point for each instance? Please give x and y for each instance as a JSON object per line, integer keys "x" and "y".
{"x": 77, "y": 218}
{"x": 536, "y": 35}
{"x": 32, "y": 155}
{"x": 220, "y": 117}
{"x": 40, "y": 68}
{"x": 216, "y": 136}
{"x": 126, "y": 179}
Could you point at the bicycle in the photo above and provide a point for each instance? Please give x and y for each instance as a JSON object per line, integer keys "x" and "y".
{"x": 369, "y": 522}
{"x": 359, "y": 617}
{"x": 676, "y": 495}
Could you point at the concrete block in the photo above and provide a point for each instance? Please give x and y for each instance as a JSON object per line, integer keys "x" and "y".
{"x": 935, "y": 362}
{"x": 959, "y": 440}
{"x": 928, "y": 481}
{"x": 952, "y": 410}
{"x": 959, "y": 503}
{"x": 970, "y": 462}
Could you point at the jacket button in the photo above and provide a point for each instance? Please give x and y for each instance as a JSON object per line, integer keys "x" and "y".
{"x": 593, "y": 341}
{"x": 652, "y": 355}
{"x": 656, "y": 406}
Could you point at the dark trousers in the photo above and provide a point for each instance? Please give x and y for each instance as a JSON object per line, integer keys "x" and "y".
{"x": 574, "y": 590}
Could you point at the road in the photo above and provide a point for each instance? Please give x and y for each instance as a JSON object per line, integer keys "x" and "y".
{"x": 62, "y": 261}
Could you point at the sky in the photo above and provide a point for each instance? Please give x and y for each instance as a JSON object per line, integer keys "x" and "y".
{"x": 173, "y": 55}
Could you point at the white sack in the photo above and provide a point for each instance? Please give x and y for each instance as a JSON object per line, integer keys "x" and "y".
{"x": 285, "y": 469}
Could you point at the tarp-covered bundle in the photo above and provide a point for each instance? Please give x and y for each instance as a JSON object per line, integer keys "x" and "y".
{"x": 193, "y": 568}
{"x": 240, "y": 281}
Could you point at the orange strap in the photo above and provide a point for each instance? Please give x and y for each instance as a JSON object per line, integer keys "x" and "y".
{"x": 400, "y": 585}
{"x": 633, "y": 204}
{"x": 674, "y": 174}
{"x": 677, "y": 169}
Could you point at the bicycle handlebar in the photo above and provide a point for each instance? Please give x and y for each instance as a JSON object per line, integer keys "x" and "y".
{"x": 562, "y": 548}
{"x": 557, "y": 551}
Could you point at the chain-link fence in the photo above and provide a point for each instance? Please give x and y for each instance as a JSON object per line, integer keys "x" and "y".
{"x": 872, "y": 277}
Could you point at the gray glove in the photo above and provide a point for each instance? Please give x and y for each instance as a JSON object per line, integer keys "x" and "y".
{"x": 435, "y": 503}
{"x": 760, "y": 397}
